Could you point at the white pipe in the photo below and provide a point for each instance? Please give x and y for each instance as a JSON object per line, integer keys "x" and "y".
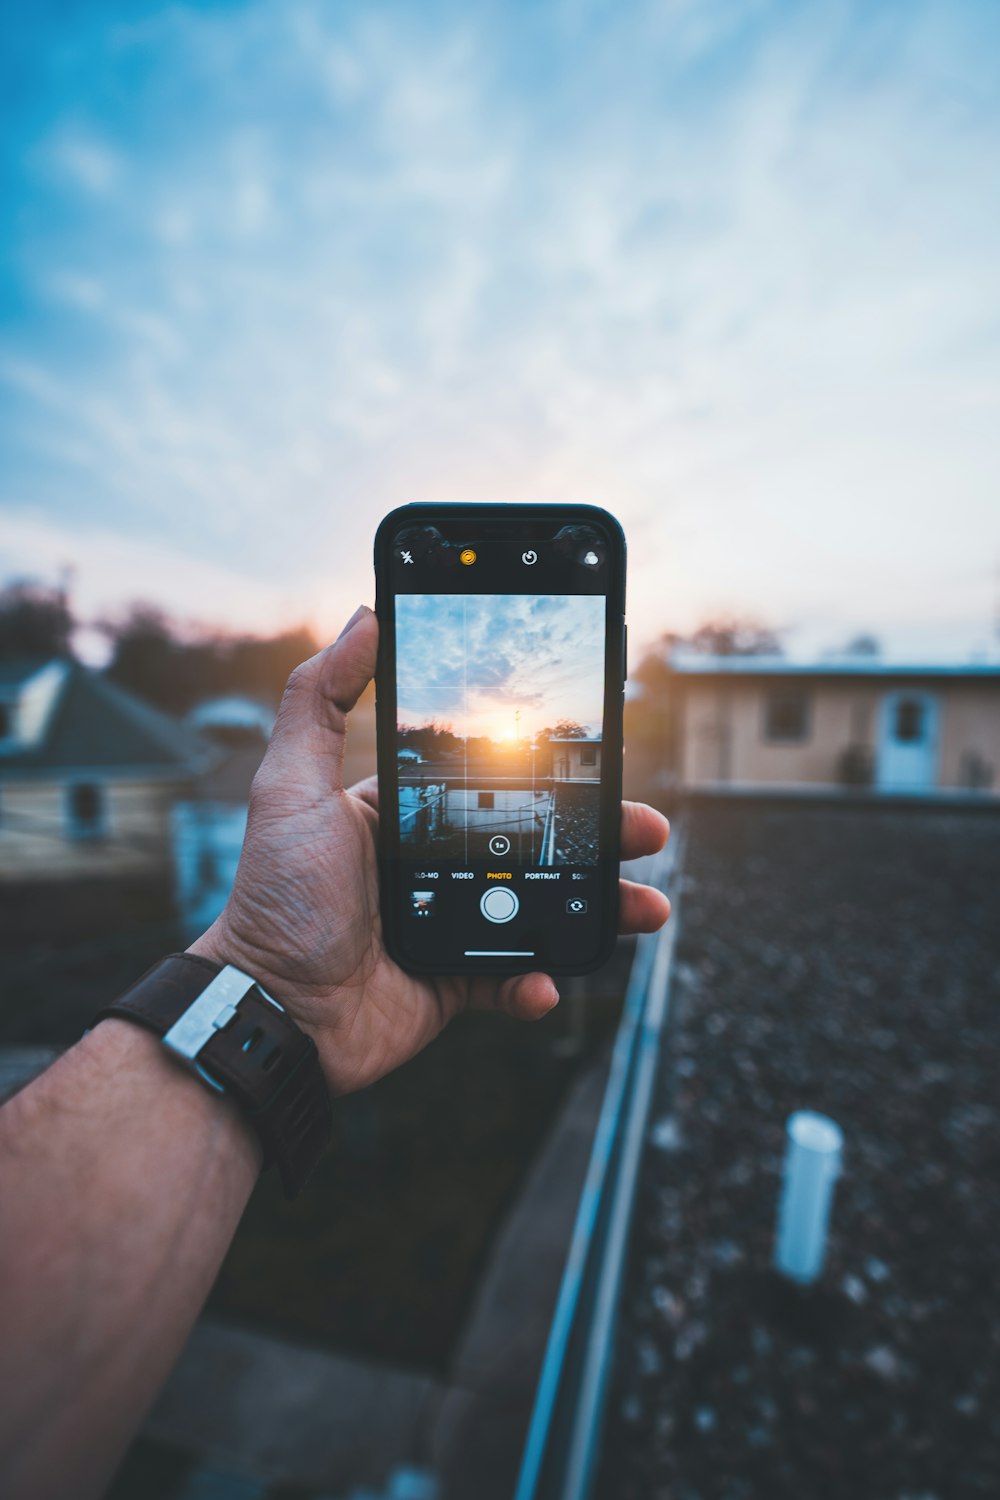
{"x": 812, "y": 1166}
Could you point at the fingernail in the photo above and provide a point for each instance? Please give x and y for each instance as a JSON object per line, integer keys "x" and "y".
{"x": 358, "y": 614}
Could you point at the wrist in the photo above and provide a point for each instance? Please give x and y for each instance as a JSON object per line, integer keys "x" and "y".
{"x": 169, "y": 1094}
{"x": 219, "y": 948}
{"x": 220, "y": 945}
{"x": 236, "y": 1039}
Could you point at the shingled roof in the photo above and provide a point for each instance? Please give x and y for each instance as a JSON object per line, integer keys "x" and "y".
{"x": 95, "y": 725}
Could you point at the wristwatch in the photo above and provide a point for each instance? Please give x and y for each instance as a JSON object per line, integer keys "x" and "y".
{"x": 225, "y": 1027}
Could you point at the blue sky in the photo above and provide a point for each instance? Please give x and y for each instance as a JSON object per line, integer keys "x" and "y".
{"x": 729, "y": 269}
{"x": 472, "y": 661}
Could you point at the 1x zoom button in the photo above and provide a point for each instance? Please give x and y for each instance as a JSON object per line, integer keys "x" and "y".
{"x": 498, "y": 904}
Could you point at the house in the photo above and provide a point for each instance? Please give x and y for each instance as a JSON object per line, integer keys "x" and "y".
{"x": 458, "y": 807}
{"x": 208, "y": 825}
{"x": 96, "y": 784}
{"x": 88, "y": 773}
{"x": 543, "y": 807}
{"x": 753, "y": 724}
{"x": 209, "y": 818}
{"x": 576, "y": 759}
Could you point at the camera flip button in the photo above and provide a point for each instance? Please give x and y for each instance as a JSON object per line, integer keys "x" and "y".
{"x": 499, "y": 904}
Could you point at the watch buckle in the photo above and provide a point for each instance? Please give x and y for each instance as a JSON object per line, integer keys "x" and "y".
{"x": 212, "y": 1011}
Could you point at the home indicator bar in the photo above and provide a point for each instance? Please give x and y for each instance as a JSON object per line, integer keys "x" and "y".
{"x": 499, "y": 952}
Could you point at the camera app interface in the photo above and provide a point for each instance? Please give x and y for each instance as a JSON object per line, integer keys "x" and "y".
{"x": 500, "y": 681}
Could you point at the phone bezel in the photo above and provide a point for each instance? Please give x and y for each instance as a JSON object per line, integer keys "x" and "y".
{"x": 518, "y": 516}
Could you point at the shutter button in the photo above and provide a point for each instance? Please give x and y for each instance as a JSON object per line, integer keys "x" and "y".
{"x": 499, "y": 904}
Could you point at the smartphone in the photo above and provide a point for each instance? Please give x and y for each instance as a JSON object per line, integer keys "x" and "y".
{"x": 499, "y": 702}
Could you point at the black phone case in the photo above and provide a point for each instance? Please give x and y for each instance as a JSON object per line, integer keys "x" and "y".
{"x": 385, "y": 691}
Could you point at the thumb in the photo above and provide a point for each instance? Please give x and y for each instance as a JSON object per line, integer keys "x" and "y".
{"x": 320, "y": 693}
{"x": 347, "y": 667}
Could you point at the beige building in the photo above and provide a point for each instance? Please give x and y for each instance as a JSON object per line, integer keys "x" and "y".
{"x": 88, "y": 775}
{"x": 757, "y": 724}
{"x": 576, "y": 759}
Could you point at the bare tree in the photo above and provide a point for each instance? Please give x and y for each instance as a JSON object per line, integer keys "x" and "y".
{"x": 863, "y": 645}
{"x": 153, "y": 656}
{"x": 568, "y": 729}
{"x": 35, "y": 621}
{"x": 729, "y": 636}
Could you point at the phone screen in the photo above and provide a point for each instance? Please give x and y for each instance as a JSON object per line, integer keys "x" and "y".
{"x": 501, "y": 758}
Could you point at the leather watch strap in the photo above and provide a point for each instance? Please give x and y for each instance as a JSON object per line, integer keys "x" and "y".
{"x": 258, "y": 1056}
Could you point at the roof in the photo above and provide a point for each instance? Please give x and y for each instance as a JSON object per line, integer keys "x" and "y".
{"x": 693, "y": 665}
{"x": 95, "y": 725}
{"x": 233, "y": 711}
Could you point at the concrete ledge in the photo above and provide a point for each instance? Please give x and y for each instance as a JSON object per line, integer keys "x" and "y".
{"x": 480, "y": 1424}
{"x": 278, "y": 1411}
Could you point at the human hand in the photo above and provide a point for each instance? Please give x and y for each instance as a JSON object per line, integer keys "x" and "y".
{"x": 303, "y": 916}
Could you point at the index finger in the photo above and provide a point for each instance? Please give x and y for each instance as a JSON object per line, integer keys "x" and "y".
{"x": 644, "y": 830}
{"x": 366, "y": 791}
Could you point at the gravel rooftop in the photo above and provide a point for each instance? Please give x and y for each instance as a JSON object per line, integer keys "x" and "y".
{"x": 578, "y": 811}
{"x": 847, "y": 961}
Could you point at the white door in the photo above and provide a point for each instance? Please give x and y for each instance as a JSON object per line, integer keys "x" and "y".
{"x": 908, "y": 733}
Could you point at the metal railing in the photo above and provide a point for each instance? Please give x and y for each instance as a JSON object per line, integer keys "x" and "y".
{"x": 549, "y": 835}
{"x": 563, "y": 1442}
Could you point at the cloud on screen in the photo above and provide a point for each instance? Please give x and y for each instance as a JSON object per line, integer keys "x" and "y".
{"x": 466, "y": 658}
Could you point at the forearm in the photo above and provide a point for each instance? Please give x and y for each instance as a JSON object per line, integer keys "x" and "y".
{"x": 123, "y": 1181}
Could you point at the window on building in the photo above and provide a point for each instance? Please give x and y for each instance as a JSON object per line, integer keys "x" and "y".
{"x": 909, "y": 726}
{"x": 85, "y": 810}
{"x": 588, "y": 755}
{"x": 486, "y": 799}
{"x": 786, "y": 717}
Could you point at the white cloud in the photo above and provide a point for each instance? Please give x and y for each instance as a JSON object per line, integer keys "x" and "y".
{"x": 83, "y": 160}
{"x": 727, "y": 274}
